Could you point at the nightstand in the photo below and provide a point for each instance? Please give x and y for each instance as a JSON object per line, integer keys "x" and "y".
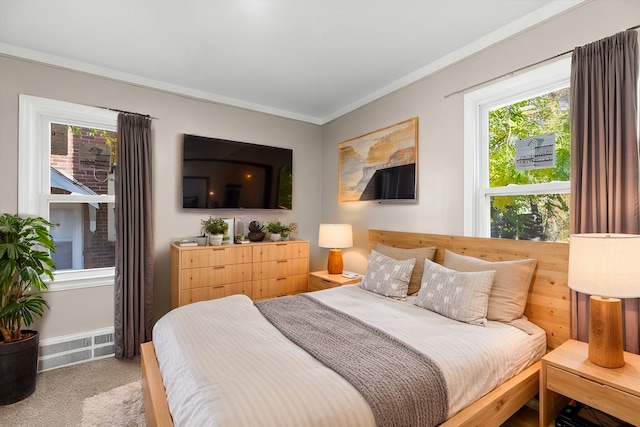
{"x": 319, "y": 280}
{"x": 567, "y": 372}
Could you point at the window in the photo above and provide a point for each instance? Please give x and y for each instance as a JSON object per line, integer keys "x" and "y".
{"x": 66, "y": 174}
{"x": 528, "y": 201}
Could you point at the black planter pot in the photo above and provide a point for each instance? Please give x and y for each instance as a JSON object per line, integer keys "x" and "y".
{"x": 18, "y": 368}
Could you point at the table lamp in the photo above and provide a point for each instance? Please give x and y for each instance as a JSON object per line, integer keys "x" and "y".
{"x": 607, "y": 267}
{"x": 335, "y": 237}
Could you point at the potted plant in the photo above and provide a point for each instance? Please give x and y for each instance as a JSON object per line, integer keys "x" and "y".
{"x": 217, "y": 228}
{"x": 25, "y": 261}
{"x": 290, "y": 230}
{"x": 275, "y": 229}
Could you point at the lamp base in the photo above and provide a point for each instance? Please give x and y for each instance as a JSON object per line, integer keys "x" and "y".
{"x": 334, "y": 265}
{"x": 605, "y": 332}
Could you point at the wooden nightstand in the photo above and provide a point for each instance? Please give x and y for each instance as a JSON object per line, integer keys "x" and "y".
{"x": 319, "y": 280}
{"x": 567, "y": 372}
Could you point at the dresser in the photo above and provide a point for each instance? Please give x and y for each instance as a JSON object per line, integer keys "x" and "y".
{"x": 259, "y": 270}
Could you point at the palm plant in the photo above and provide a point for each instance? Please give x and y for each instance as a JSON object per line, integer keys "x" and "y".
{"x": 25, "y": 261}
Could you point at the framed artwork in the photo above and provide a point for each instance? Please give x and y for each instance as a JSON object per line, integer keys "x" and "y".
{"x": 228, "y": 237}
{"x": 380, "y": 165}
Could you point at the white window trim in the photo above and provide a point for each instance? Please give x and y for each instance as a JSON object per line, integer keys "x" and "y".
{"x": 33, "y": 187}
{"x": 477, "y": 105}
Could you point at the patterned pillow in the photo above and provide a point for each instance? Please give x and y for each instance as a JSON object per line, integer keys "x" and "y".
{"x": 510, "y": 285}
{"x": 457, "y": 295}
{"x": 387, "y": 276}
{"x": 402, "y": 253}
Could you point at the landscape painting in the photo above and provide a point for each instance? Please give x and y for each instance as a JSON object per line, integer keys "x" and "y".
{"x": 380, "y": 164}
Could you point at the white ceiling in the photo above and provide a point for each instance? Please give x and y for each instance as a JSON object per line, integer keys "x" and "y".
{"x": 311, "y": 60}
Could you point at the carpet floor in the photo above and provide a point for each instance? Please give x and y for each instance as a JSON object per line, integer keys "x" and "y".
{"x": 122, "y": 406}
{"x": 60, "y": 393}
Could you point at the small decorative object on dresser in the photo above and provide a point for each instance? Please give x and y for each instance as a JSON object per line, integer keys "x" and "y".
{"x": 275, "y": 230}
{"x": 217, "y": 228}
{"x": 255, "y": 232}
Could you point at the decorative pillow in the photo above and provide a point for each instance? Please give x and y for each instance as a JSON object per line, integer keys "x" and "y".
{"x": 420, "y": 254}
{"x": 510, "y": 285}
{"x": 387, "y": 276}
{"x": 457, "y": 295}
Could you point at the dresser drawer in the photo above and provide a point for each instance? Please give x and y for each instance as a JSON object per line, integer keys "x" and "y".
{"x": 227, "y": 254}
{"x": 277, "y": 287}
{"x": 280, "y": 251}
{"x": 591, "y": 393}
{"x": 205, "y": 293}
{"x": 280, "y": 268}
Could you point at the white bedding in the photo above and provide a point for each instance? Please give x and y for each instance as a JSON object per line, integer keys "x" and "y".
{"x": 223, "y": 364}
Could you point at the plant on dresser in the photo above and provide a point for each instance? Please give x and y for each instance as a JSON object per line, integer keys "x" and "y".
{"x": 217, "y": 228}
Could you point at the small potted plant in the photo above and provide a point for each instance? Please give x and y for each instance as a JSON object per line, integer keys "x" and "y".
{"x": 24, "y": 263}
{"x": 275, "y": 230}
{"x": 290, "y": 230}
{"x": 217, "y": 228}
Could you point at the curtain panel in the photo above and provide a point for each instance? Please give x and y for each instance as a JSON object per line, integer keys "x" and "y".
{"x": 134, "y": 235}
{"x": 604, "y": 153}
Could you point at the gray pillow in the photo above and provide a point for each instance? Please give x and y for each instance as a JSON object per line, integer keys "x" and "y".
{"x": 510, "y": 285}
{"x": 387, "y": 276}
{"x": 420, "y": 254}
{"x": 457, "y": 295}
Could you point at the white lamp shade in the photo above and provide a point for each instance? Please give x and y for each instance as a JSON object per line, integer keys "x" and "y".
{"x": 336, "y": 236}
{"x": 605, "y": 264}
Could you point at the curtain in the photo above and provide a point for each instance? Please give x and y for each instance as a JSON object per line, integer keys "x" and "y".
{"x": 134, "y": 235}
{"x": 604, "y": 153}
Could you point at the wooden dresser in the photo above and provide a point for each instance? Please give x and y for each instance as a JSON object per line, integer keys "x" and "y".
{"x": 259, "y": 270}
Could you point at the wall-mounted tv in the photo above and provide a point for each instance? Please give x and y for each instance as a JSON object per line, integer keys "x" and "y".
{"x": 225, "y": 174}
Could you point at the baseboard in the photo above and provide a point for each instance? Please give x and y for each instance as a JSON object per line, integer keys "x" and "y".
{"x": 77, "y": 348}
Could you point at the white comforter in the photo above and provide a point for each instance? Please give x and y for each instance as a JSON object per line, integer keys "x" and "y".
{"x": 223, "y": 364}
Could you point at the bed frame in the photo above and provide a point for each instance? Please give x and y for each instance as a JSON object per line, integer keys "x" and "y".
{"x": 548, "y": 306}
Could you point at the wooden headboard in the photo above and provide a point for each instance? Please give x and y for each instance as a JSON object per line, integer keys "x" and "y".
{"x": 548, "y": 303}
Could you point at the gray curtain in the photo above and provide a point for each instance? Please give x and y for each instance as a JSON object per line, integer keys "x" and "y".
{"x": 604, "y": 153}
{"x": 134, "y": 228}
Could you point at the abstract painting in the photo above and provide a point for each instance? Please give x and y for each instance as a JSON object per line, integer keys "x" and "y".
{"x": 380, "y": 164}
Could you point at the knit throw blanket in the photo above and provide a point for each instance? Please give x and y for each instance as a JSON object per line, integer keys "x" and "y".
{"x": 402, "y": 386}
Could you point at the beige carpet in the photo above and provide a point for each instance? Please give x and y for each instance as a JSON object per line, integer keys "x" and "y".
{"x": 122, "y": 406}
{"x": 60, "y": 393}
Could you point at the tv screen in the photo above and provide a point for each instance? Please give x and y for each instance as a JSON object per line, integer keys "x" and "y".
{"x": 394, "y": 183}
{"x": 224, "y": 174}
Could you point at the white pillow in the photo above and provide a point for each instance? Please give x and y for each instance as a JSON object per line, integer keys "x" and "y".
{"x": 387, "y": 276}
{"x": 511, "y": 283}
{"x": 457, "y": 295}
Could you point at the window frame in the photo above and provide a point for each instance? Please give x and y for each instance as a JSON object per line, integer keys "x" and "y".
{"x": 34, "y": 181}
{"x": 477, "y": 105}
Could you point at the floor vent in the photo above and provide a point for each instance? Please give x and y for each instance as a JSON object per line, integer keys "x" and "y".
{"x": 72, "y": 349}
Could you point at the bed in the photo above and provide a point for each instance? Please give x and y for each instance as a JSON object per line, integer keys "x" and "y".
{"x": 285, "y": 379}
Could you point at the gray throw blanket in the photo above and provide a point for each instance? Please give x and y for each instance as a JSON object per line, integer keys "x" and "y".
{"x": 402, "y": 386}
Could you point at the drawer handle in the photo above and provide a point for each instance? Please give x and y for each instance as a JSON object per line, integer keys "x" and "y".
{"x": 217, "y": 287}
{"x": 281, "y": 278}
{"x": 280, "y": 261}
{"x": 281, "y": 244}
{"x": 217, "y": 249}
{"x": 221, "y": 267}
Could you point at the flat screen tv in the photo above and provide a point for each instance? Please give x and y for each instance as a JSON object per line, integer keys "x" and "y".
{"x": 225, "y": 174}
